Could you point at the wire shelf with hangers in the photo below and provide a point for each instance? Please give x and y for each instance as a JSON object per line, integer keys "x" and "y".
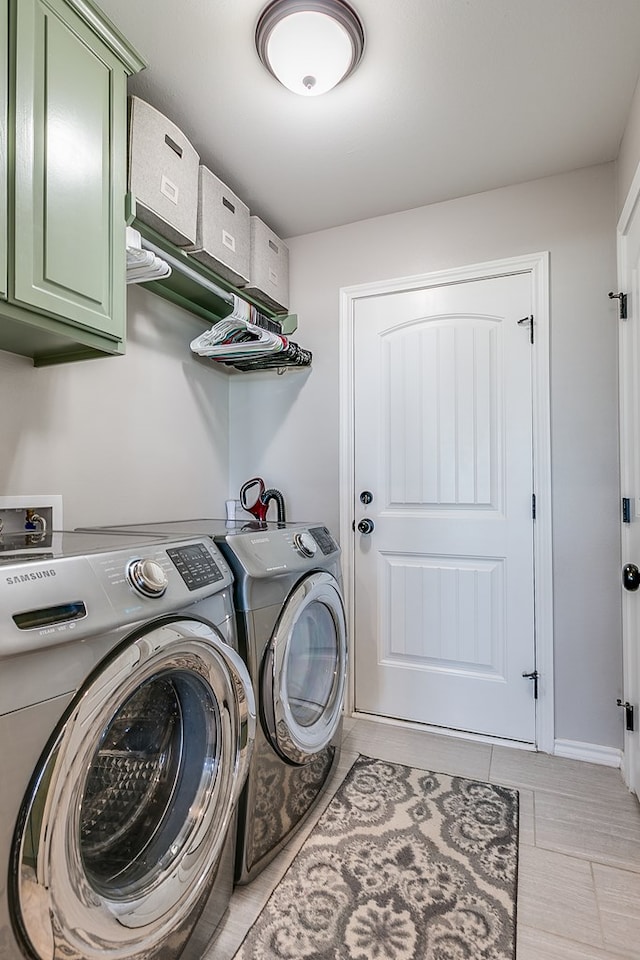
{"x": 245, "y": 335}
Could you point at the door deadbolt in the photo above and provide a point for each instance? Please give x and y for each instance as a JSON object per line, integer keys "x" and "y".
{"x": 366, "y": 497}
{"x": 366, "y": 526}
{"x": 630, "y": 576}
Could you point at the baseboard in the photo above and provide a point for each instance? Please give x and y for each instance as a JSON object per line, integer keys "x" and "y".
{"x": 442, "y": 731}
{"x": 588, "y": 752}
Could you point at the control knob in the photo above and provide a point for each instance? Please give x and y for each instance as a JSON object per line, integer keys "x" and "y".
{"x": 305, "y": 544}
{"x": 147, "y": 577}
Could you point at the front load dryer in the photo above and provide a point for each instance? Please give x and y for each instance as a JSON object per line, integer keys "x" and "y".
{"x": 292, "y": 634}
{"x": 291, "y": 617}
{"x": 127, "y": 720}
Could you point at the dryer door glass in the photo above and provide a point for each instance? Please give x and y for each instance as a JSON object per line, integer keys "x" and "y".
{"x": 312, "y": 664}
{"x": 305, "y": 669}
{"x": 122, "y": 831}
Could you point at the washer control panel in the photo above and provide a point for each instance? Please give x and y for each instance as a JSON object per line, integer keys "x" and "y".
{"x": 195, "y": 565}
{"x": 46, "y": 602}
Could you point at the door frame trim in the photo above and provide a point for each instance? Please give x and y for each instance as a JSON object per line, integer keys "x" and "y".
{"x": 537, "y": 265}
{"x": 629, "y": 610}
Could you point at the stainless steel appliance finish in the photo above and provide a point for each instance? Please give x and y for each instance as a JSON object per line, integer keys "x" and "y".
{"x": 127, "y": 720}
{"x": 292, "y": 635}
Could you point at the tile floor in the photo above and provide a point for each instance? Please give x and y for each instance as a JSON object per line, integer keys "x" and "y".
{"x": 579, "y": 868}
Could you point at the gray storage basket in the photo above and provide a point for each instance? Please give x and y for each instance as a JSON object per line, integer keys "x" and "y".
{"x": 163, "y": 173}
{"x": 269, "y": 267}
{"x": 222, "y": 240}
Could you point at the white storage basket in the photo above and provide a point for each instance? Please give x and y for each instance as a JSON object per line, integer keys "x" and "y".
{"x": 163, "y": 174}
{"x": 269, "y": 267}
{"x": 222, "y": 239}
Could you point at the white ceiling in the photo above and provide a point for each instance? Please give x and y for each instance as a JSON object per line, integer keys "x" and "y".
{"x": 452, "y": 97}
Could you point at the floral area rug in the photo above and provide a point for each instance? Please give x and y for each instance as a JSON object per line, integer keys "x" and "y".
{"x": 402, "y": 865}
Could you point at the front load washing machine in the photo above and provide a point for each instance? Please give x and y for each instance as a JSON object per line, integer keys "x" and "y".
{"x": 292, "y": 634}
{"x": 127, "y": 720}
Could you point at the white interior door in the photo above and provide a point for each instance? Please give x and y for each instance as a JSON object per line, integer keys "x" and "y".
{"x": 444, "y": 584}
{"x": 629, "y": 270}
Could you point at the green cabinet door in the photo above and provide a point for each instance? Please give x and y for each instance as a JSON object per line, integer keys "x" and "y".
{"x": 4, "y": 163}
{"x": 70, "y": 170}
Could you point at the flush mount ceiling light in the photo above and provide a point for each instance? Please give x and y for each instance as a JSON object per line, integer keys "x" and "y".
{"x": 309, "y": 45}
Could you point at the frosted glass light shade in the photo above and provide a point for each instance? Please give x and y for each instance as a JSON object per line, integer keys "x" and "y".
{"x": 309, "y": 46}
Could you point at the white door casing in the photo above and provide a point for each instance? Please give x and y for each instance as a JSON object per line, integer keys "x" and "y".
{"x": 629, "y": 363}
{"x": 447, "y": 567}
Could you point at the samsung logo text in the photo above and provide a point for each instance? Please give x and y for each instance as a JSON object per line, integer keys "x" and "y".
{"x": 34, "y": 575}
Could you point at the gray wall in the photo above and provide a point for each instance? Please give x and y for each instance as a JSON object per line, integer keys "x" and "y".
{"x": 133, "y": 438}
{"x": 287, "y": 428}
{"x": 629, "y": 154}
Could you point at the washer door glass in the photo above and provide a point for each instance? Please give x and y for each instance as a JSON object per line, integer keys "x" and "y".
{"x": 146, "y": 781}
{"x": 121, "y": 834}
{"x": 304, "y": 670}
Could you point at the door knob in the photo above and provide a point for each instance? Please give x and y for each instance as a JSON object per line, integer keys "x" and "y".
{"x": 630, "y": 576}
{"x": 366, "y": 496}
{"x": 366, "y": 526}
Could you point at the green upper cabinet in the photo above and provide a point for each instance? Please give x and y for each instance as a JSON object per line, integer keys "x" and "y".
{"x": 65, "y": 234}
{"x": 4, "y": 164}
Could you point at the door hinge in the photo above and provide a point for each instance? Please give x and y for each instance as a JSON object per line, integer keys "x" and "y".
{"x": 535, "y": 676}
{"x": 622, "y": 297}
{"x": 528, "y": 320}
{"x": 533, "y": 506}
{"x": 628, "y": 713}
{"x": 626, "y": 510}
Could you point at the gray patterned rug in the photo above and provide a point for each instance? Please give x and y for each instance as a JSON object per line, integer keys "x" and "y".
{"x": 403, "y": 865}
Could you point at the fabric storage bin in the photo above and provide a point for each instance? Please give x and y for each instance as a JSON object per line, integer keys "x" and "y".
{"x": 222, "y": 238}
{"x": 268, "y": 267}
{"x": 163, "y": 173}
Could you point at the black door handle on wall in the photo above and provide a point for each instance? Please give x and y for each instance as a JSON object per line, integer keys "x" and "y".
{"x": 366, "y": 526}
{"x": 630, "y": 576}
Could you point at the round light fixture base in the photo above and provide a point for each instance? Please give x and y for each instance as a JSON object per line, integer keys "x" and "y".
{"x": 309, "y": 45}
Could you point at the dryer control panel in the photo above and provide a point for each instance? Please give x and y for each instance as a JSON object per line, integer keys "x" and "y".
{"x": 324, "y": 540}
{"x": 265, "y": 553}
